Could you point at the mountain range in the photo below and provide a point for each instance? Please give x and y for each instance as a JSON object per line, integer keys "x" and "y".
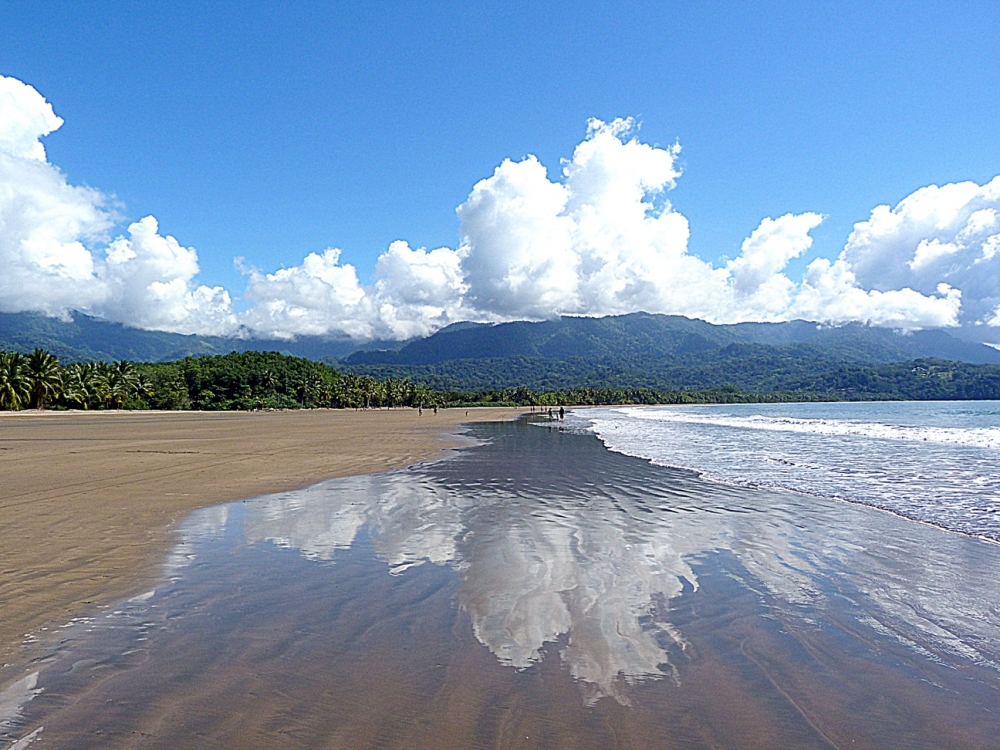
{"x": 638, "y": 350}
{"x": 85, "y": 338}
{"x": 658, "y": 336}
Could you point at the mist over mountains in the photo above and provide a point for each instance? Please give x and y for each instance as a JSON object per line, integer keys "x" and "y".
{"x": 85, "y": 338}
{"x": 646, "y": 336}
{"x": 638, "y": 350}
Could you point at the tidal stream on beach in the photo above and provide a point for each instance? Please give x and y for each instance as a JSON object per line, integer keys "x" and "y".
{"x": 536, "y": 590}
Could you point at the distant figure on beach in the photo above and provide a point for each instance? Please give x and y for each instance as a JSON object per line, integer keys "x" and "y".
{"x": 562, "y": 412}
{"x": 420, "y": 410}
{"x": 435, "y": 410}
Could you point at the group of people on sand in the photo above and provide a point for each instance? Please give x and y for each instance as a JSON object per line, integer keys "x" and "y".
{"x": 552, "y": 415}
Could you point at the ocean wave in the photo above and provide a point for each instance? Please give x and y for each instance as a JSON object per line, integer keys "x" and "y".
{"x": 975, "y": 437}
{"x": 941, "y": 472}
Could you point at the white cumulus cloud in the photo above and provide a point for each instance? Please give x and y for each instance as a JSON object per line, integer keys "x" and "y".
{"x": 44, "y": 222}
{"x": 946, "y": 234}
{"x": 518, "y": 257}
{"x": 601, "y": 241}
{"x": 416, "y": 292}
{"x": 758, "y": 284}
{"x": 149, "y": 280}
{"x": 419, "y": 291}
{"x": 318, "y": 297}
{"x": 601, "y": 238}
{"x": 25, "y": 116}
{"x": 48, "y": 229}
{"x": 604, "y": 241}
{"x": 830, "y": 293}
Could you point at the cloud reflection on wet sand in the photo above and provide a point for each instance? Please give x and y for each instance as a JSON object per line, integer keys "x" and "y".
{"x": 541, "y": 556}
{"x": 539, "y": 591}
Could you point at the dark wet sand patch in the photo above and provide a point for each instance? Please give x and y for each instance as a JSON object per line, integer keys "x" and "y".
{"x": 389, "y": 662}
{"x": 285, "y": 630}
{"x": 89, "y": 500}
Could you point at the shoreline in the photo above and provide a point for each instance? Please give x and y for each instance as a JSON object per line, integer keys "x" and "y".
{"x": 873, "y": 503}
{"x": 90, "y": 500}
{"x": 407, "y": 609}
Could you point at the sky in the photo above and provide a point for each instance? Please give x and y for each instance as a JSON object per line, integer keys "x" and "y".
{"x": 382, "y": 170}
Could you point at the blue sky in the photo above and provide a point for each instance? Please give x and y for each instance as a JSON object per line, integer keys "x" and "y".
{"x": 269, "y": 132}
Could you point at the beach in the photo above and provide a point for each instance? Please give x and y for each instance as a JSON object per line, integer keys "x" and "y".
{"x": 536, "y": 590}
{"x": 89, "y": 500}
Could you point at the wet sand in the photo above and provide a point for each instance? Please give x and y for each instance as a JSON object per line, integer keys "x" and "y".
{"x": 88, "y": 500}
{"x": 538, "y": 591}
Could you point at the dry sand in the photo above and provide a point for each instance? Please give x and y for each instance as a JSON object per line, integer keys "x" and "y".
{"x": 88, "y": 500}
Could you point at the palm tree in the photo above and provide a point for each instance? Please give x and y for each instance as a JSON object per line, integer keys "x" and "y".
{"x": 120, "y": 385}
{"x": 118, "y": 390}
{"x": 324, "y": 392}
{"x": 123, "y": 382}
{"x": 396, "y": 391}
{"x": 78, "y": 385}
{"x": 14, "y": 390}
{"x": 310, "y": 390}
{"x": 269, "y": 382}
{"x": 100, "y": 394}
{"x": 368, "y": 389}
{"x": 44, "y": 377}
{"x": 409, "y": 392}
{"x": 422, "y": 396}
{"x": 125, "y": 368}
{"x": 346, "y": 392}
{"x": 143, "y": 387}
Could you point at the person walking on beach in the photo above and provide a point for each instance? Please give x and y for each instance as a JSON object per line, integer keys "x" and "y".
{"x": 562, "y": 412}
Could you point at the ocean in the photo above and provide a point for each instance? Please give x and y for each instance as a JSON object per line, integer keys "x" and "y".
{"x": 538, "y": 590}
{"x": 934, "y": 462}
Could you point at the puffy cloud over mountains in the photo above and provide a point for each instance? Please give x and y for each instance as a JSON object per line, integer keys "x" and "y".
{"x": 602, "y": 239}
{"x": 49, "y": 230}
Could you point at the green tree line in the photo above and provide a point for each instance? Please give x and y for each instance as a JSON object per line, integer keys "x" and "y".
{"x": 246, "y": 380}
{"x": 37, "y": 380}
{"x": 269, "y": 380}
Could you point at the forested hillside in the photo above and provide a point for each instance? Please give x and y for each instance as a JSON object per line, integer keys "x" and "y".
{"x": 639, "y": 357}
{"x": 624, "y": 342}
{"x": 256, "y": 380}
{"x": 633, "y": 341}
{"x": 83, "y": 339}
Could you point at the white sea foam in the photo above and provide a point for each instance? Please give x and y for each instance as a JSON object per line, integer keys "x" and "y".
{"x": 14, "y": 698}
{"x": 979, "y": 437}
{"x": 27, "y": 739}
{"x": 932, "y": 462}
